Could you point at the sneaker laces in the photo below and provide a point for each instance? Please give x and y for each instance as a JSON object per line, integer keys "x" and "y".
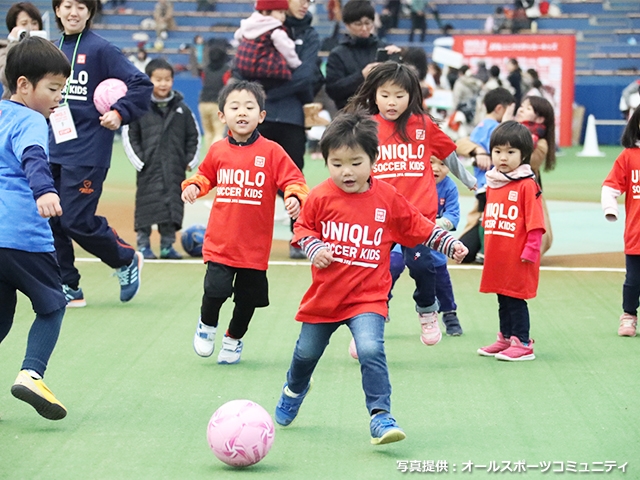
{"x": 124, "y": 273}
{"x": 628, "y": 322}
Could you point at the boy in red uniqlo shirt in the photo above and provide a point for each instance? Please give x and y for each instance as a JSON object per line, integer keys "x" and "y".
{"x": 247, "y": 171}
{"x": 513, "y": 226}
{"x": 347, "y": 228}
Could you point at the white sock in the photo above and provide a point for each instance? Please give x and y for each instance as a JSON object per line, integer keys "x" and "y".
{"x": 35, "y": 375}
{"x": 289, "y": 393}
{"x": 206, "y": 328}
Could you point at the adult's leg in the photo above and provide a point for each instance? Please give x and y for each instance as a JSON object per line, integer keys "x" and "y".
{"x": 368, "y": 332}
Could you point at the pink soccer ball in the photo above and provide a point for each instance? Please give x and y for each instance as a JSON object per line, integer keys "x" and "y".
{"x": 240, "y": 433}
{"x": 107, "y": 93}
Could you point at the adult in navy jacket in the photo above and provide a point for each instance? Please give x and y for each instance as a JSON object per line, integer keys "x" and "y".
{"x": 284, "y": 123}
{"x": 80, "y": 165}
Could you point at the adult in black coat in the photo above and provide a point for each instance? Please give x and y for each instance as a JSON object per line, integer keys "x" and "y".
{"x": 352, "y": 60}
{"x": 161, "y": 145}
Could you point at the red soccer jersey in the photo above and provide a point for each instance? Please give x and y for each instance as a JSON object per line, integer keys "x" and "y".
{"x": 247, "y": 178}
{"x": 359, "y": 229}
{"x": 510, "y": 213}
{"x": 406, "y": 165}
{"x": 625, "y": 177}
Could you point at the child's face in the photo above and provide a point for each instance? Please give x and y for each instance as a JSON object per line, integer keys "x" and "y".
{"x": 162, "y": 82}
{"x": 392, "y": 100}
{"x": 242, "y": 114}
{"x": 350, "y": 169}
{"x": 44, "y": 97}
{"x": 73, "y": 15}
{"x": 526, "y": 113}
{"x": 440, "y": 170}
{"x": 279, "y": 15}
{"x": 506, "y": 158}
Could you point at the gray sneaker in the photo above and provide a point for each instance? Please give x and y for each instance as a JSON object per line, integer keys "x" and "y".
{"x": 452, "y": 324}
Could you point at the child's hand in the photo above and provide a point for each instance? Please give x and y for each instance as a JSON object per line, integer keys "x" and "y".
{"x": 292, "y": 204}
{"x": 49, "y": 205}
{"x": 190, "y": 194}
{"x": 110, "y": 120}
{"x": 459, "y": 251}
{"x": 323, "y": 258}
{"x": 483, "y": 159}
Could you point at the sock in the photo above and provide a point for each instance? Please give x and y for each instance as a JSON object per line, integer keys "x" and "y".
{"x": 376, "y": 411}
{"x": 289, "y": 393}
{"x": 33, "y": 374}
{"x": 206, "y": 328}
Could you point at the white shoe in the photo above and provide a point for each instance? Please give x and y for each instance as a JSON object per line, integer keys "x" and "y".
{"x": 431, "y": 333}
{"x": 231, "y": 351}
{"x": 204, "y": 339}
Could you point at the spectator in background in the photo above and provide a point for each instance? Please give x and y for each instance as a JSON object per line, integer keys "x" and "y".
{"x": 434, "y": 74}
{"x": 140, "y": 59}
{"x": 214, "y": 78}
{"x": 389, "y": 17}
{"x": 537, "y": 89}
{"x": 198, "y": 55}
{"x": 20, "y": 16}
{"x": 418, "y": 18}
{"x": 352, "y": 60}
{"x": 482, "y": 73}
{"x": 495, "y": 22}
{"x": 630, "y": 99}
{"x": 515, "y": 79}
{"x": 206, "y": 6}
{"x": 163, "y": 16}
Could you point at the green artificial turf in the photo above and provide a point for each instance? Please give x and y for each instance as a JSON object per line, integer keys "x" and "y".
{"x": 139, "y": 398}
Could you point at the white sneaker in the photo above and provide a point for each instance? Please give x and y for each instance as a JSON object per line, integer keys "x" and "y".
{"x": 431, "y": 333}
{"x": 204, "y": 339}
{"x": 231, "y": 351}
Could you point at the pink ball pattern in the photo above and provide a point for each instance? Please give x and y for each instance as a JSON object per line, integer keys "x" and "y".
{"x": 107, "y": 93}
{"x": 240, "y": 433}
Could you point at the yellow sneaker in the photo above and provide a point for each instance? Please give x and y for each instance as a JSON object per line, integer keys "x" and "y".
{"x": 36, "y": 394}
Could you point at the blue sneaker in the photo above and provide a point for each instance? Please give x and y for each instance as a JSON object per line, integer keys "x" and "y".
{"x": 147, "y": 253}
{"x": 75, "y": 298}
{"x": 384, "y": 429}
{"x": 129, "y": 278}
{"x": 287, "y": 407}
{"x": 170, "y": 254}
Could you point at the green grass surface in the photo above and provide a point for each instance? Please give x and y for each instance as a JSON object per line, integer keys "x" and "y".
{"x": 139, "y": 398}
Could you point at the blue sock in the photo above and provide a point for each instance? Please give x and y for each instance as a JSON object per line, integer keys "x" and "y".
{"x": 42, "y": 340}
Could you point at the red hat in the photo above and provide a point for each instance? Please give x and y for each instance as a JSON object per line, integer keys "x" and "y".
{"x": 272, "y": 5}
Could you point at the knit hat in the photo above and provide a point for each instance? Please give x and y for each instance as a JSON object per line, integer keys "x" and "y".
{"x": 272, "y": 5}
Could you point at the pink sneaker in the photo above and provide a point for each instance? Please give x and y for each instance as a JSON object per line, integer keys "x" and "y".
{"x": 491, "y": 350}
{"x": 517, "y": 352}
{"x": 628, "y": 324}
{"x": 352, "y": 349}
{"x": 431, "y": 333}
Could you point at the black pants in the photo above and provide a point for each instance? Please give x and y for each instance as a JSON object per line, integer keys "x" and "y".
{"x": 514, "y": 317}
{"x": 80, "y": 188}
{"x": 631, "y": 287}
{"x": 418, "y": 22}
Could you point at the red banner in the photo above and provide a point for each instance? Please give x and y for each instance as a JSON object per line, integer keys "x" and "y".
{"x": 552, "y": 56}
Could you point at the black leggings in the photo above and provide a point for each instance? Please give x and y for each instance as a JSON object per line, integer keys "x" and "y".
{"x": 631, "y": 287}
{"x": 239, "y": 324}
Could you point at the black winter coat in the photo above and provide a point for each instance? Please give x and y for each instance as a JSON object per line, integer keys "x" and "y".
{"x": 345, "y": 64}
{"x": 161, "y": 147}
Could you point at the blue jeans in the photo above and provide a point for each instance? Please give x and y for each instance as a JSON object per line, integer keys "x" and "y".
{"x": 368, "y": 331}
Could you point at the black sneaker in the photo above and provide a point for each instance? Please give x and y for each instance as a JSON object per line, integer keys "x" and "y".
{"x": 452, "y": 324}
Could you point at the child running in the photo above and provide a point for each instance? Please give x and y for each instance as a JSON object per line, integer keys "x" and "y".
{"x": 625, "y": 178}
{"x": 247, "y": 170}
{"x": 513, "y": 226}
{"x": 161, "y": 146}
{"x": 408, "y": 138}
{"x": 36, "y": 72}
{"x": 346, "y": 229}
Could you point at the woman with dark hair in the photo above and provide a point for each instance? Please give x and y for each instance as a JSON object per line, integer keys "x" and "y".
{"x": 80, "y": 163}
{"x": 351, "y": 61}
{"x": 515, "y": 79}
{"x": 22, "y": 16}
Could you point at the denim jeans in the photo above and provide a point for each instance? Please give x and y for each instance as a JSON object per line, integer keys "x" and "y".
{"x": 368, "y": 331}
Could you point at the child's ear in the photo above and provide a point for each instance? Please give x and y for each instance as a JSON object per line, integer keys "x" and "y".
{"x": 263, "y": 114}
{"x": 221, "y": 116}
{"x": 22, "y": 85}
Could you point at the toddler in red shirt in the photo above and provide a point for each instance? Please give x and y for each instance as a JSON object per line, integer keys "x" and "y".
{"x": 513, "y": 226}
{"x": 247, "y": 171}
{"x": 625, "y": 178}
{"x": 347, "y": 228}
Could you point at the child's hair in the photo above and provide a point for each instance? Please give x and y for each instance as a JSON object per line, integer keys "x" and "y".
{"x": 34, "y": 58}
{"x": 15, "y": 10}
{"x": 354, "y": 10}
{"x": 352, "y": 130}
{"x": 398, "y": 74}
{"x": 417, "y": 58}
{"x": 252, "y": 87}
{"x": 544, "y": 109}
{"x": 515, "y": 135}
{"x": 158, "y": 64}
{"x": 631, "y": 134}
{"x": 498, "y": 96}
{"x": 92, "y": 6}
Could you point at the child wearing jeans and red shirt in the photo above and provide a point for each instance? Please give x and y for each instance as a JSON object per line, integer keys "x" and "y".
{"x": 513, "y": 226}
{"x": 347, "y": 228}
